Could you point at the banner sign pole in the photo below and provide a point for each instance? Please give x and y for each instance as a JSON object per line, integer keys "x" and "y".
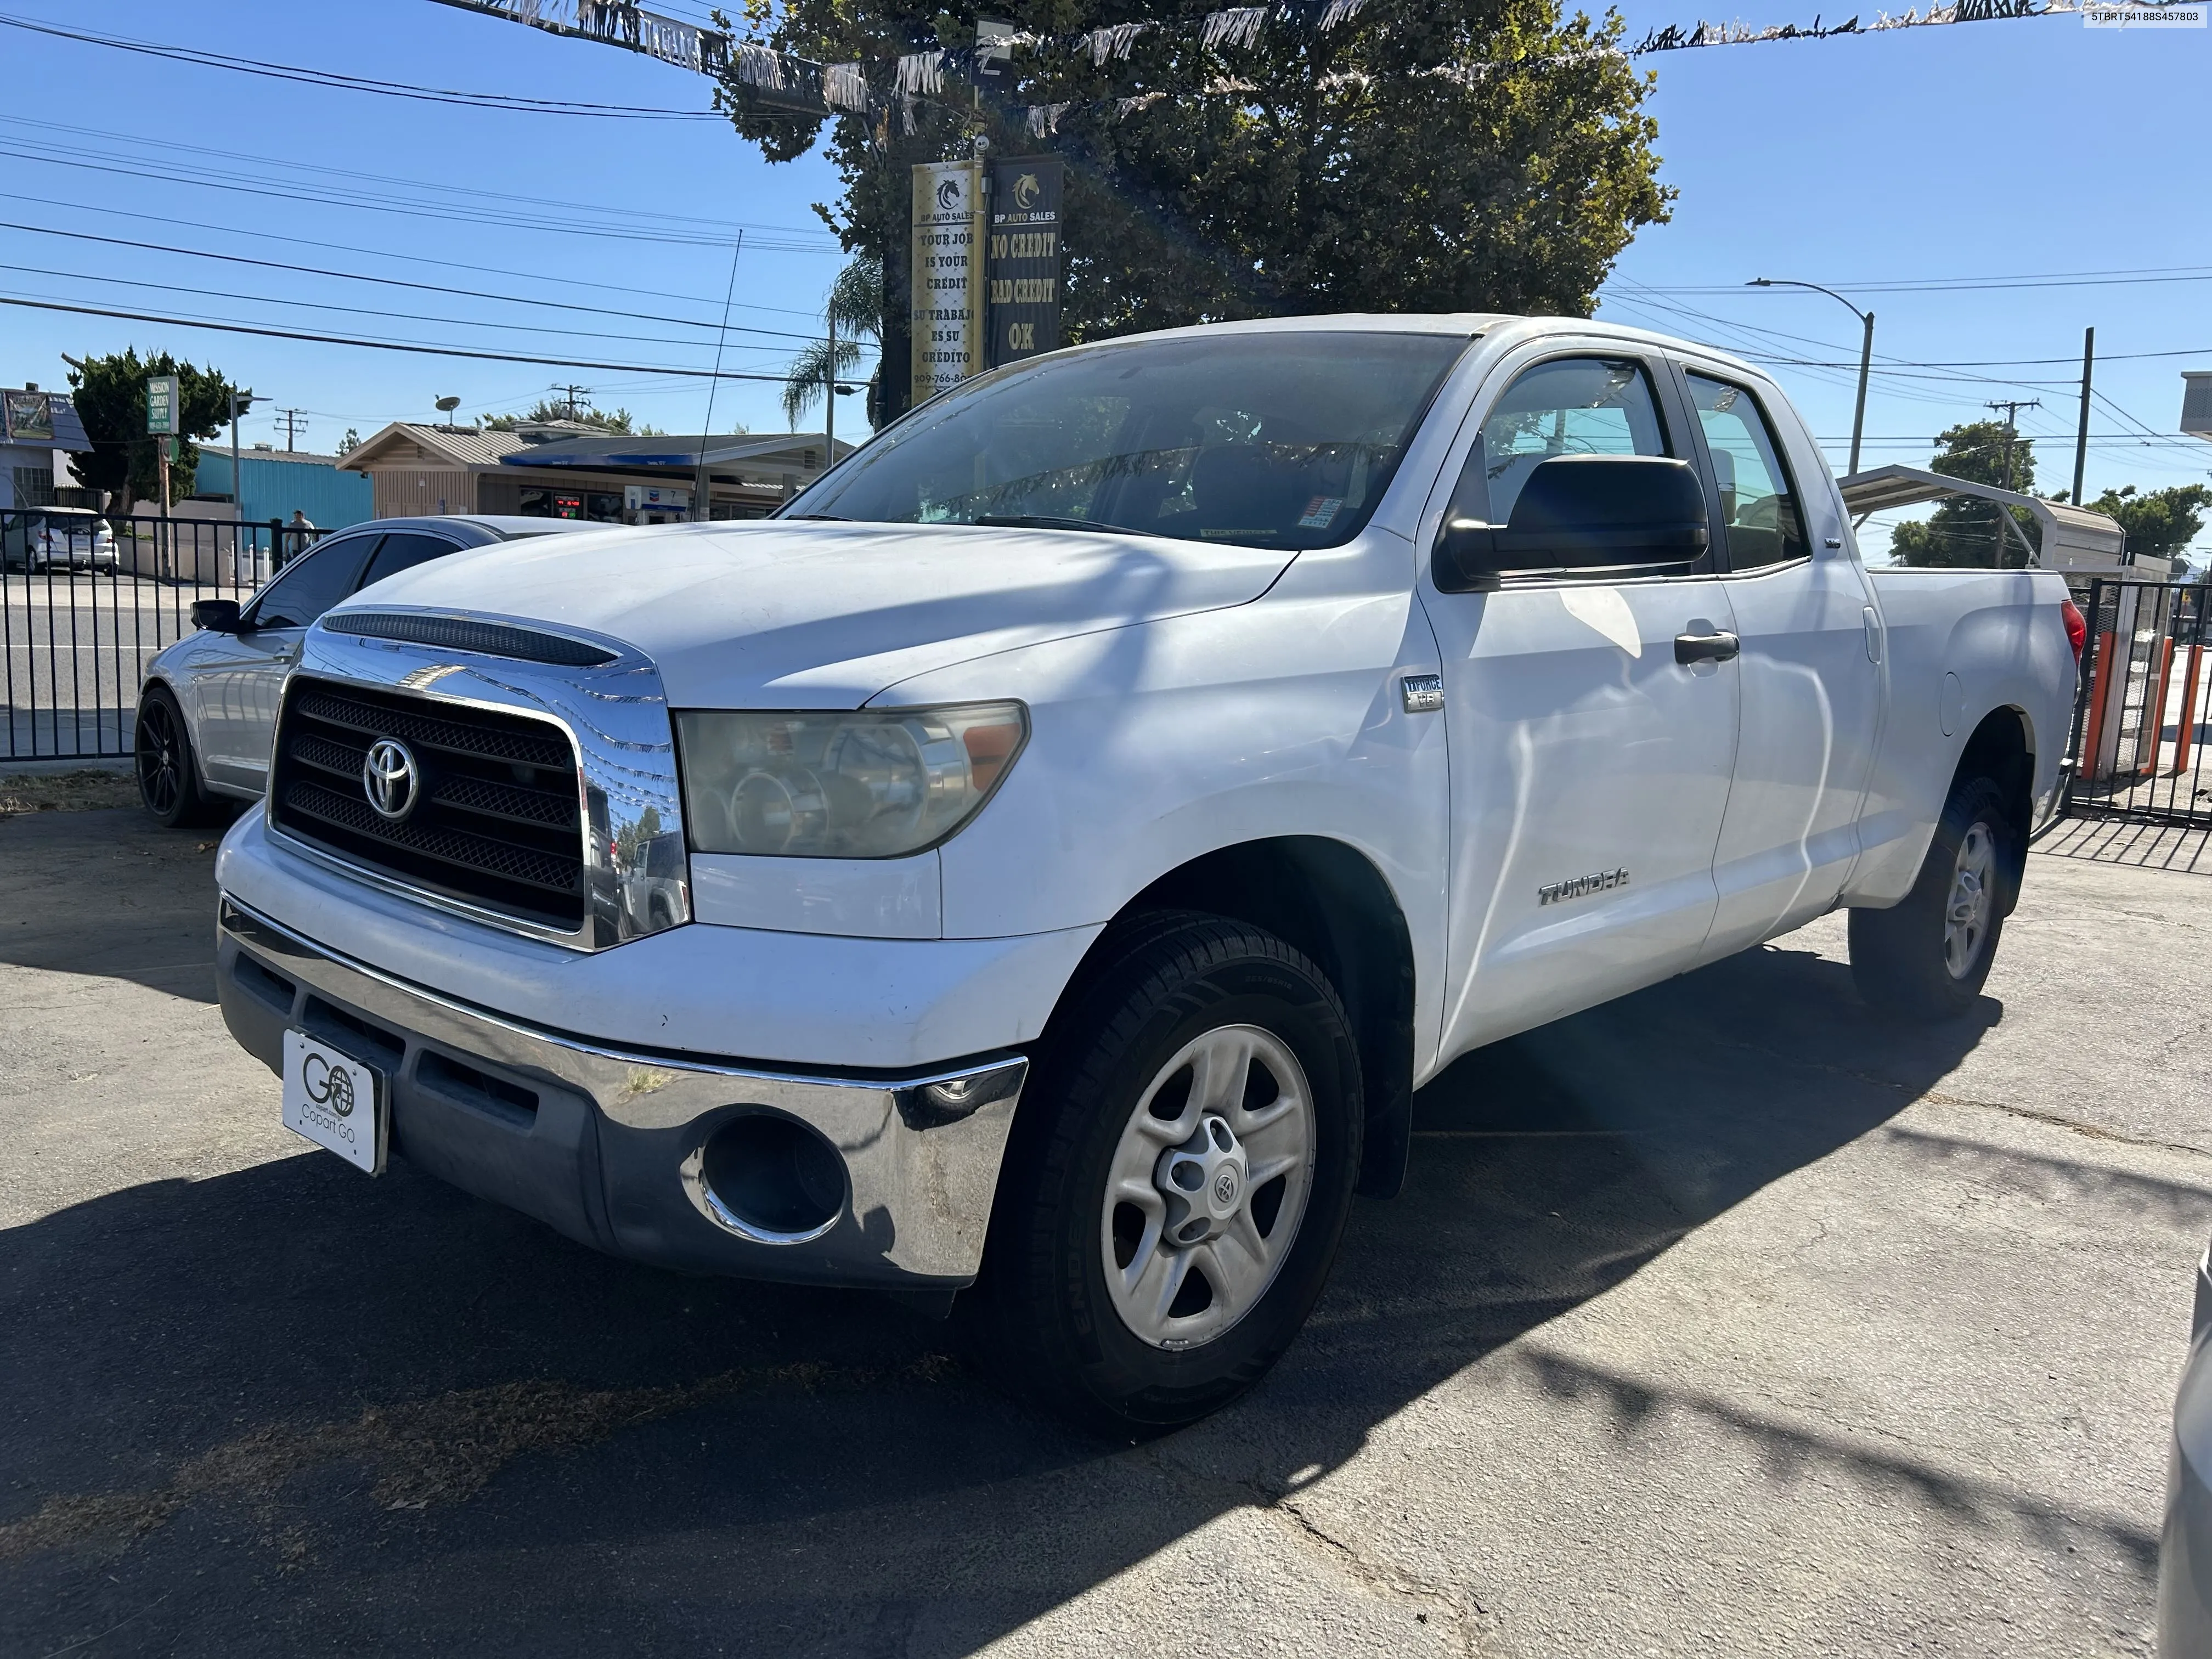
{"x": 1023, "y": 259}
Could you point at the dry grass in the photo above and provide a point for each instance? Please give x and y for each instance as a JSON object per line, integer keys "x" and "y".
{"x": 90, "y": 790}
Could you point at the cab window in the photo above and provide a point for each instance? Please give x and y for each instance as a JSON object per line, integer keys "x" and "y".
{"x": 1758, "y": 509}
{"x": 1570, "y": 406}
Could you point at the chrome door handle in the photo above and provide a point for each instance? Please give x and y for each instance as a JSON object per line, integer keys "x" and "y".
{"x": 1719, "y": 646}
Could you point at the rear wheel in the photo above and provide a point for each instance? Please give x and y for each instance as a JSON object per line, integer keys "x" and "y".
{"x": 168, "y": 781}
{"x": 1927, "y": 957}
{"x": 1181, "y": 1173}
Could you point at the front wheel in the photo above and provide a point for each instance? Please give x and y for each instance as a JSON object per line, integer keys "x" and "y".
{"x": 1927, "y": 957}
{"x": 1181, "y": 1172}
{"x": 168, "y": 782}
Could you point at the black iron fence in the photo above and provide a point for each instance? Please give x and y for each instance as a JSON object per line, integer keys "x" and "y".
{"x": 2137, "y": 746}
{"x": 86, "y": 603}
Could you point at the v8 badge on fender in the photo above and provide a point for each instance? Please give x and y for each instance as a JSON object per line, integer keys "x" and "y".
{"x": 335, "y": 1102}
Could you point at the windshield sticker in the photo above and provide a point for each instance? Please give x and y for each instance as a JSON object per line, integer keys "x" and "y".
{"x": 1319, "y": 511}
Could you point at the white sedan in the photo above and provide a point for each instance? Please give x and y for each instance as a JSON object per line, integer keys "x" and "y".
{"x": 207, "y": 708}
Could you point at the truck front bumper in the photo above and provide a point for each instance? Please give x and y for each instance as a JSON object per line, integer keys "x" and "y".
{"x": 671, "y": 1157}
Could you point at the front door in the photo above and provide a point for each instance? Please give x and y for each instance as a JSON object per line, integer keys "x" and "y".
{"x": 1812, "y": 688}
{"x": 1589, "y": 768}
{"x": 238, "y": 678}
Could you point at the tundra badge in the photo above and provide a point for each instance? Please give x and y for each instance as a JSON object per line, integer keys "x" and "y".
{"x": 1560, "y": 892}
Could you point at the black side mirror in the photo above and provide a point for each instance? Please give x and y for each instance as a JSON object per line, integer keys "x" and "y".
{"x": 216, "y": 616}
{"x": 1590, "y": 514}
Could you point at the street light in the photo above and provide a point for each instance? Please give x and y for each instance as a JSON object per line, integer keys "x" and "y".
{"x": 1866, "y": 350}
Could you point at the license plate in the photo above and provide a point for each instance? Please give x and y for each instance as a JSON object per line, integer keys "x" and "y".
{"x": 335, "y": 1101}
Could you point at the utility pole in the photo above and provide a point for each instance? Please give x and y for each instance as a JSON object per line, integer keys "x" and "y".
{"x": 829, "y": 396}
{"x": 240, "y": 402}
{"x": 2012, "y": 407}
{"x": 294, "y": 420}
{"x": 575, "y": 395}
{"x": 2081, "y": 436}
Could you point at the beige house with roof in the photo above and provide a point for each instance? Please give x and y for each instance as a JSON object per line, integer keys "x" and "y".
{"x": 562, "y": 470}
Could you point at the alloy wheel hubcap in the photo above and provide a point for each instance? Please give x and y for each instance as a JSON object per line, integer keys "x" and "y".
{"x": 1207, "y": 1186}
{"x": 1966, "y": 916}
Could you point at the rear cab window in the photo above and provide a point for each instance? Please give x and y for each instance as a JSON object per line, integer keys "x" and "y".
{"x": 1761, "y": 514}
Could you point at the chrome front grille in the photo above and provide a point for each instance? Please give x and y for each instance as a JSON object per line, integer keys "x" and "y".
{"x": 492, "y": 818}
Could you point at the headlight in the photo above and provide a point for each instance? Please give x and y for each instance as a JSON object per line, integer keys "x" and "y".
{"x": 870, "y": 784}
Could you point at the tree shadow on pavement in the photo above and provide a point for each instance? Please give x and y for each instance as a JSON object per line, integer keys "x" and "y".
{"x": 291, "y": 1406}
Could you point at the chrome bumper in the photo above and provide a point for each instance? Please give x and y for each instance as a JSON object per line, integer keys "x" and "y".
{"x": 613, "y": 1149}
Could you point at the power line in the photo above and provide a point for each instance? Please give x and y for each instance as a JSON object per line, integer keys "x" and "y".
{"x": 387, "y": 282}
{"x": 410, "y": 258}
{"x": 331, "y": 79}
{"x": 355, "y": 311}
{"x": 164, "y": 150}
{"x": 519, "y": 221}
{"x": 384, "y": 345}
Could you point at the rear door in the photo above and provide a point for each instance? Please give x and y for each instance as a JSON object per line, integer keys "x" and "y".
{"x": 1589, "y": 769}
{"x": 238, "y": 678}
{"x": 1812, "y": 688}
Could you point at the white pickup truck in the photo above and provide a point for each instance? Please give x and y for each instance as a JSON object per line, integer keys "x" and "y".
{"x": 1049, "y": 856}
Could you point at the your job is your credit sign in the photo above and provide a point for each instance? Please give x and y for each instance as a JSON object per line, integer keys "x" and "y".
{"x": 987, "y": 267}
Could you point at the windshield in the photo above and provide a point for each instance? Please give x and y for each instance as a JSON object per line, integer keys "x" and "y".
{"x": 1276, "y": 439}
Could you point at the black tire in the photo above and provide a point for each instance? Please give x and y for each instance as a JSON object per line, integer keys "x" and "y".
{"x": 1906, "y": 961}
{"x": 1043, "y": 1308}
{"x": 168, "y": 772}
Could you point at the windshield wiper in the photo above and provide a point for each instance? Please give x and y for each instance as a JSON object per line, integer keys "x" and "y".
{"x": 826, "y": 518}
{"x": 1050, "y": 522}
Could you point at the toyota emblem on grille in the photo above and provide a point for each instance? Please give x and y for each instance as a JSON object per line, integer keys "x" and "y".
{"x": 390, "y": 779}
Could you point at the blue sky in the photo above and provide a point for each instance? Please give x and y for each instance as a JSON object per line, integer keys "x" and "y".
{"x": 1989, "y": 151}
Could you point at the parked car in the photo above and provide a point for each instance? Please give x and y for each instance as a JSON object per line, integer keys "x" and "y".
{"x": 2184, "y": 1559}
{"x": 61, "y": 538}
{"x": 1105, "y": 797}
{"x": 208, "y": 702}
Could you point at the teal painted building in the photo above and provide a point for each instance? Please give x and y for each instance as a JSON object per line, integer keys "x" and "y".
{"x": 278, "y": 481}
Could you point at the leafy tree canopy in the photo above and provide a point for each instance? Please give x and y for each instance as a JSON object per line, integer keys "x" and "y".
{"x": 1425, "y": 156}
{"x": 599, "y": 420}
{"x": 1962, "y": 533}
{"x": 2160, "y": 522}
{"x": 110, "y": 393}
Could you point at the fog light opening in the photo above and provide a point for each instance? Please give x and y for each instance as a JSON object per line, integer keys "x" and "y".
{"x": 771, "y": 1179}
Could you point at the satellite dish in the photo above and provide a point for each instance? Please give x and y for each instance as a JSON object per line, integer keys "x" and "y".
{"x": 448, "y": 405}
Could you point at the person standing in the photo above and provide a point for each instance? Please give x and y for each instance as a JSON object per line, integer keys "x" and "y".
{"x": 299, "y": 534}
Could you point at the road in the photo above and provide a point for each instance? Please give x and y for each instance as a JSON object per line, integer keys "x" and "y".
{"x": 1724, "y": 1320}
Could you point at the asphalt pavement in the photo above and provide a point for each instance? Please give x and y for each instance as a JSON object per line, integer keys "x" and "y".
{"x": 1725, "y": 1320}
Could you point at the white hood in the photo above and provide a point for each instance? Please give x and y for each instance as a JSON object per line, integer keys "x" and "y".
{"x": 792, "y": 614}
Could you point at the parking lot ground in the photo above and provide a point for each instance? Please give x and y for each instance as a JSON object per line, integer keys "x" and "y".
{"x": 1725, "y": 1320}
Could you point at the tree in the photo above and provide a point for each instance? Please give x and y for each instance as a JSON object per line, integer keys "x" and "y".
{"x": 1964, "y": 532}
{"x": 855, "y": 305}
{"x": 352, "y": 441}
{"x": 110, "y": 393}
{"x": 599, "y": 420}
{"x": 1424, "y": 156}
{"x": 2159, "y": 522}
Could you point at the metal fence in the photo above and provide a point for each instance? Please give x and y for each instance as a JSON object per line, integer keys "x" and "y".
{"x": 2139, "y": 718}
{"x": 82, "y": 613}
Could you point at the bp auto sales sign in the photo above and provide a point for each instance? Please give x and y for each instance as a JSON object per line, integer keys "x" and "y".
{"x": 1021, "y": 266}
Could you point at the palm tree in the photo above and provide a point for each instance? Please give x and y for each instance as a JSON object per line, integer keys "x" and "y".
{"x": 856, "y": 302}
